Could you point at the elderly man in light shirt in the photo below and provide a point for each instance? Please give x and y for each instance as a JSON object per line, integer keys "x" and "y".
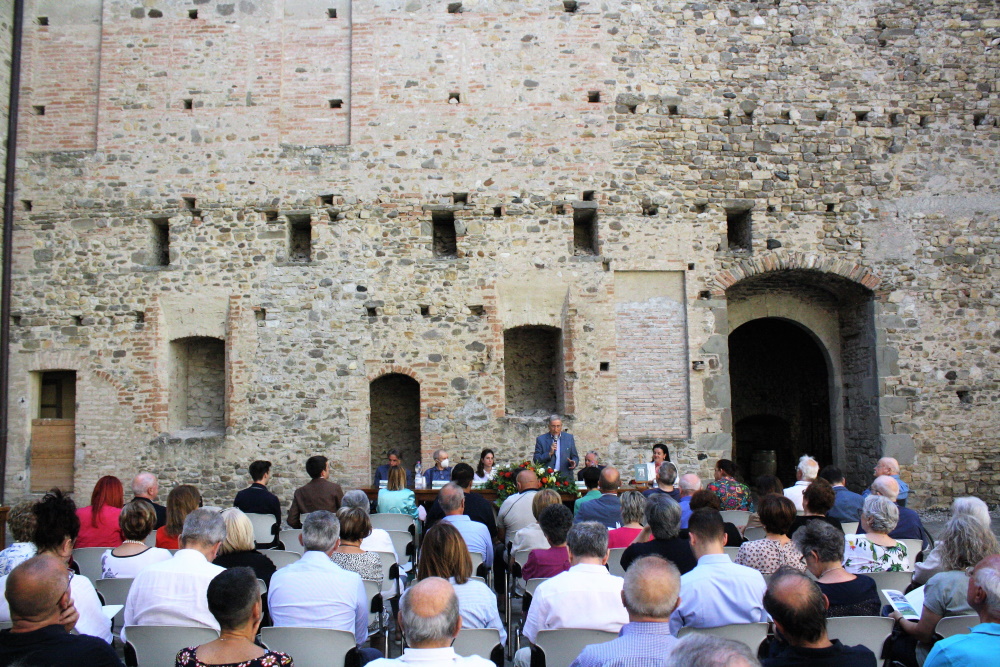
{"x": 314, "y": 592}
{"x": 476, "y": 535}
{"x": 717, "y": 591}
{"x": 174, "y": 591}
{"x": 805, "y": 473}
{"x": 586, "y": 596}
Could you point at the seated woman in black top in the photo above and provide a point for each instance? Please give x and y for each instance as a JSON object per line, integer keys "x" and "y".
{"x": 817, "y": 500}
{"x": 822, "y": 545}
{"x": 237, "y": 549}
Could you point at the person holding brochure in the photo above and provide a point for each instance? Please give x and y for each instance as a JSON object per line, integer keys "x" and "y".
{"x": 979, "y": 647}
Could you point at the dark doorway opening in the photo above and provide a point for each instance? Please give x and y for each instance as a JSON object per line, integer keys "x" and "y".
{"x": 395, "y": 419}
{"x": 780, "y": 385}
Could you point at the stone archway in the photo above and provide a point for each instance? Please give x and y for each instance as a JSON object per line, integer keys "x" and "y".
{"x": 394, "y": 399}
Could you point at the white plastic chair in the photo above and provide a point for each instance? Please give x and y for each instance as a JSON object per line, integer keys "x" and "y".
{"x": 913, "y": 549}
{"x": 956, "y": 625}
{"x": 869, "y": 631}
{"x": 893, "y": 581}
{"x": 281, "y": 558}
{"x": 388, "y": 521}
{"x": 401, "y": 540}
{"x": 561, "y": 647}
{"x": 157, "y": 645}
{"x": 290, "y": 538}
{"x": 310, "y": 647}
{"x": 731, "y": 552}
{"x": 850, "y": 527}
{"x": 89, "y": 560}
{"x": 114, "y": 591}
{"x": 751, "y": 634}
{"x": 390, "y": 575}
{"x": 484, "y": 642}
{"x": 738, "y": 518}
{"x": 615, "y": 562}
{"x": 150, "y": 540}
{"x": 755, "y": 533}
{"x": 262, "y": 527}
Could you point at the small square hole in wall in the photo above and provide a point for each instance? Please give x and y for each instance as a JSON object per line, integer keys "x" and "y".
{"x": 700, "y": 208}
{"x": 727, "y": 113}
{"x": 454, "y": 7}
{"x": 425, "y": 311}
{"x": 477, "y": 311}
{"x": 860, "y": 116}
{"x": 925, "y": 121}
{"x": 15, "y": 320}
{"x": 326, "y": 200}
{"x": 672, "y": 109}
{"x": 605, "y": 366}
{"x": 649, "y": 209}
{"x": 38, "y": 109}
{"x": 691, "y": 266}
{"x": 460, "y": 198}
{"x": 454, "y": 98}
{"x": 188, "y": 104}
{"x": 558, "y": 209}
{"x": 593, "y": 96}
{"x": 444, "y": 240}
{"x": 978, "y": 119}
{"x": 260, "y": 315}
{"x": 831, "y": 208}
{"x": 570, "y": 6}
{"x": 771, "y": 209}
{"x": 42, "y": 20}
{"x": 822, "y": 114}
{"x": 632, "y": 107}
{"x": 739, "y": 236}
{"x": 371, "y": 311}
{"x": 77, "y": 320}
{"x": 704, "y": 295}
{"x": 192, "y": 13}
{"x": 331, "y": 13}
{"x": 140, "y": 317}
{"x": 271, "y": 216}
{"x": 896, "y": 119}
{"x": 299, "y": 238}
{"x": 190, "y": 203}
{"x": 964, "y": 396}
{"x": 588, "y": 195}
{"x": 497, "y": 211}
{"x": 336, "y": 104}
{"x": 155, "y": 14}
{"x": 26, "y": 204}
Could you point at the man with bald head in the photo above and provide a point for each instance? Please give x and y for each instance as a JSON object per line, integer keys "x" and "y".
{"x": 909, "y": 526}
{"x": 43, "y": 614}
{"x": 429, "y": 618}
{"x": 145, "y": 488}
{"x": 608, "y": 508}
{"x": 979, "y": 647}
{"x": 515, "y": 512}
{"x": 890, "y": 467}
{"x": 476, "y": 535}
{"x": 798, "y": 608}
{"x": 650, "y": 595}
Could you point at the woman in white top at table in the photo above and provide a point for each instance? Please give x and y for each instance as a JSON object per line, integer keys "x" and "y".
{"x": 484, "y": 471}
{"x": 137, "y": 521}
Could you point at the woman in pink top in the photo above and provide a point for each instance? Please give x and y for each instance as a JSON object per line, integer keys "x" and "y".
{"x": 99, "y": 522}
{"x": 633, "y": 508}
{"x": 555, "y": 521}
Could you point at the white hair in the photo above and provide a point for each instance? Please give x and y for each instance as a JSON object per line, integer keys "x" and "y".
{"x": 882, "y": 514}
{"x": 556, "y": 418}
{"x": 890, "y": 463}
{"x": 808, "y": 467}
{"x": 972, "y": 506}
{"x": 690, "y": 482}
{"x": 988, "y": 578}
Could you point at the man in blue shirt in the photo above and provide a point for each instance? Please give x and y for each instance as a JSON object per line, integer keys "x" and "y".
{"x": 476, "y": 535}
{"x": 847, "y": 504}
{"x": 382, "y": 472}
{"x": 890, "y": 467}
{"x": 909, "y": 526}
{"x": 979, "y": 647}
{"x": 652, "y": 585}
{"x": 689, "y": 484}
{"x": 439, "y": 472}
{"x": 607, "y": 509}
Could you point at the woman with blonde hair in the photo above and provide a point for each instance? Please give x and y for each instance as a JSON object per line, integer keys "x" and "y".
{"x": 931, "y": 564}
{"x": 182, "y": 500}
{"x": 238, "y": 549}
{"x": 531, "y": 537}
{"x": 395, "y": 498}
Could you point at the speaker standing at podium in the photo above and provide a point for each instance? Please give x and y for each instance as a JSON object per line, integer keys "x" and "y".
{"x": 555, "y": 449}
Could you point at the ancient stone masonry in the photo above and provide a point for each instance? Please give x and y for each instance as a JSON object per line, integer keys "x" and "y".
{"x": 244, "y": 215}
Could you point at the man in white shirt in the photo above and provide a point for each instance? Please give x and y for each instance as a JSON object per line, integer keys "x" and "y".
{"x": 429, "y": 617}
{"x": 717, "y": 591}
{"x": 476, "y": 535}
{"x": 314, "y": 592}
{"x": 805, "y": 473}
{"x": 174, "y": 592}
{"x": 586, "y": 596}
{"x": 514, "y": 514}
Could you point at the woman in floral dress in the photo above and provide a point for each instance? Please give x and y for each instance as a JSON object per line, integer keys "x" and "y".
{"x": 873, "y": 550}
{"x": 776, "y": 550}
{"x": 355, "y": 526}
{"x": 733, "y": 494}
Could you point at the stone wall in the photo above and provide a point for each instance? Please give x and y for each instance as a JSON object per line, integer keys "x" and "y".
{"x": 861, "y": 137}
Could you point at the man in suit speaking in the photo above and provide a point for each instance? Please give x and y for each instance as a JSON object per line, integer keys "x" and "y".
{"x": 555, "y": 449}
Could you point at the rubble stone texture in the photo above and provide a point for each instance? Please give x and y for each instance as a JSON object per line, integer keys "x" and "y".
{"x": 286, "y": 178}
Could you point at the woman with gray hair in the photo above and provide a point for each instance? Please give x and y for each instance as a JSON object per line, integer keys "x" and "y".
{"x": 931, "y": 564}
{"x": 379, "y": 539}
{"x": 964, "y": 542}
{"x": 822, "y": 546}
{"x": 633, "y": 508}
{"x": 873, "y": 550}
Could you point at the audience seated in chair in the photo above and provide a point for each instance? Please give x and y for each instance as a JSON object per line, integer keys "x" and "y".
{"x": 586, "y": 596}
{"x": 137, "y": 520}
{"x": 319, "y": 494}
{"x": 652, "y": 586}
{"x": 42, "y": 612}
{"x": 256, "y": 499}
{"x": 717, "y": 591}
{"x": 847, "y": 504}
{"x": 237, "y": 550}
{"x": 666, "y": 475}
{"x": 805, "y": 472}
{"x": 979, "y": 647}
{"x": 607, "y": 509}
{"x": 173, "y": 592}
{"x": 379, "y": 539}
{"x": 234, "y": 601}
{"x": 931, "y": 564}
{"x": 476, "y": 535}
{"x": 315, "y": 592}
{"x": 633, "y": 506}
{"x": 699, "y": 650}
{"x": 532, "y": 537}
{"x": 145, "y": 488}
{"x": 689, "y": 484}
{"x": 890, "y": 467}
{"x": 556, "y": 521}
{"x": 590, "y": 478}
{"x": 798, "y": 608}
{"x": 872, "y": 549}
{"x": 663, "y": 518}
{"x": 817, "y": 501}
{"x": 909, "y": 526}
{"x": 776, "y": 550}
{"x": 848, "y": 594}
{"x": 708, "y": 500}
{"x": 429, "y": 616}
{"x": 21, "y": 522}
{"x": 476, "y": 507}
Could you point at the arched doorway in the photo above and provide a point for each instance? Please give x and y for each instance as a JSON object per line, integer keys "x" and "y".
{"x": 780, "y": 385}
{"x": 395, "y": 418}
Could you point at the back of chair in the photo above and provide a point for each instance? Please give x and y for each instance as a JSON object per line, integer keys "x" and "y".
{"x": 114, "y": 591}
{"x": 738, "y": 518}
{"x": 893, "y": 581}
{"x": 89, "y": 560}
{"x": 390, "y": 574}
{"x": 913, "y": 549}
{"x": 956, "y": 625}
{"x": 263, "y": 525}
{"x": 401, "y": 542}
{"x": 480, "y": 641}
{"x": 150, "y": 540}
{"x": 869, "y": 631}
{"x": 158, "y": 645}
{"x": 615, "y": 562}
{"x": 751, "y": 634}
{"x": 290, "y": 538}
{"x": 755, "y": 533}
{"x": 561, "y": 647}
{"x": 374, "y": 593}
{"x": 731, "y": 552}
{"x": 477, "y": 560}
{"x": 850, "y": 527}
{"x": 387, "y": 521}
{"x": 281, "y": 558}
{"x": 310, "y": 647}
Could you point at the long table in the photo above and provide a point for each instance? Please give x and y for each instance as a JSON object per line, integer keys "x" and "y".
{"x": 428, "y": 495}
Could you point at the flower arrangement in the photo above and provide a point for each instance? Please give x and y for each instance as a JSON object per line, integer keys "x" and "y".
{"x": 504, "y": 481}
